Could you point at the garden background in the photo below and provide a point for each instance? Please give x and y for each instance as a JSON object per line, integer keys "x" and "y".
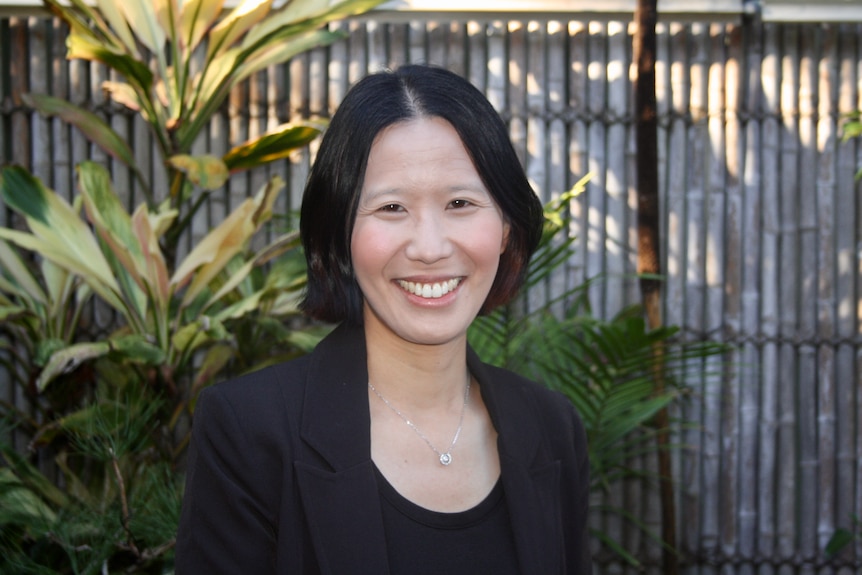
{"x": 761, "y": 222}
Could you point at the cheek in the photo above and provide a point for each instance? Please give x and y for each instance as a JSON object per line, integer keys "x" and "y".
{"x": 369, "y": 249}
{"x": 488, "y": 244}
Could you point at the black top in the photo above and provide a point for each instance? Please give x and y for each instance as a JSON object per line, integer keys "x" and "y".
{"x": 471, "y": 542}
{"x": 280, "y": 479}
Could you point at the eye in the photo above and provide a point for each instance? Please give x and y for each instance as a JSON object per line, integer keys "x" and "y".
{"x": 390, "y": 208}
{"x": 460, "y": 203}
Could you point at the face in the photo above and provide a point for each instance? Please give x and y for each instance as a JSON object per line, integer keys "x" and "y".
{"x": 428, "y": 235}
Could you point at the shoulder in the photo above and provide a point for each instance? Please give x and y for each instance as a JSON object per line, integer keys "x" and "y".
{"x": 253, "y": 407}
{"x": 262, "y": 387}
{"x": 512, "y": 390}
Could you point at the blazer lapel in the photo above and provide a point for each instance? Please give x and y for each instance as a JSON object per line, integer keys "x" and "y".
{"x": 531, "y": 481}
{"x": 336, "y": 478}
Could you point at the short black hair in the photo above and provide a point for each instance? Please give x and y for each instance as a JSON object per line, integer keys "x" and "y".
{"x": 335, "y": 182}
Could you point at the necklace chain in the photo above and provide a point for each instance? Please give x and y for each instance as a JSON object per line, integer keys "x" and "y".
{"x": 446, "y": 456}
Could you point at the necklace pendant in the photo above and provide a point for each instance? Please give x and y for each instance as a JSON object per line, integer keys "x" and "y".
{"x": 445, "y": 458}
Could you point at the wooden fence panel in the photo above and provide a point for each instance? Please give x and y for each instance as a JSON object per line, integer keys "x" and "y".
{"x": 761, "y": 228}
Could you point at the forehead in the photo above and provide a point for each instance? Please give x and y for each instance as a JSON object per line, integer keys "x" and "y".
{"x": 422, "y": 148}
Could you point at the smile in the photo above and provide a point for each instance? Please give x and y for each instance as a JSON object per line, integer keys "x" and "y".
{"x": 432, "y": 290}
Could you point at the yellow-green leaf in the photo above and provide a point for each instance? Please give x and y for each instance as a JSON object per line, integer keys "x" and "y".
{"x": 224, "y": 34}
{"x": 196, "y": 17}
{"x": 114, "y": 226}
{"x": 304, "y": 15}
{"x": 68, "y": 359}
{"x": 24, "y": 282}
{"x": 87, "y": 48}
{"x": 110, "y": 10}
{"x": 215, "y": 250}
{"x": 143, "y": 18}
{"x": 208, "y": 172}
{"x": 265, "y": 199}
{"x": 136, "y": 348}
{"x": 156, "y": 270}
{"x": 277, "y": 52}
{"x": 124, "y": 94}
{"x": 272, "y": 146}
{"x": 96, "y": 129}
{"x": 58, "y": 231}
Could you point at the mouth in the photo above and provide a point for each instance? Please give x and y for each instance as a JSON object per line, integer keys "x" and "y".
{"x": 432, "y": 290}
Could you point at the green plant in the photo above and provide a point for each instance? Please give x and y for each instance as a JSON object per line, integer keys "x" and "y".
{"x": 606, "y": 367}
{"x": 853, "y": 129}
{"x": 842, "y": 537}
{"x": 98, "y": 489}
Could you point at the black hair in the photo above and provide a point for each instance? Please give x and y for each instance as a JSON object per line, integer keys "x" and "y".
{"x": 332, "y": 192}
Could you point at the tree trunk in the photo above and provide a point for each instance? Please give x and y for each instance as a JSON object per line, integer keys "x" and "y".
{"x": 649, "y": 268}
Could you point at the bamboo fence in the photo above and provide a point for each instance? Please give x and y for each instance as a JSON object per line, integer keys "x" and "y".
{"x": 760, "y": 224}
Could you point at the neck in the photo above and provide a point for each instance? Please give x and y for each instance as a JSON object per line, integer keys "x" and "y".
{"x": 415, "y": 375}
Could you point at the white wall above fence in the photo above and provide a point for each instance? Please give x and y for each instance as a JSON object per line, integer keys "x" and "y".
{"x": 771, "y": 10}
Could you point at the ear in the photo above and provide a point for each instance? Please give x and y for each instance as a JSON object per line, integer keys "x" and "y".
{"x": 505, "y": 243}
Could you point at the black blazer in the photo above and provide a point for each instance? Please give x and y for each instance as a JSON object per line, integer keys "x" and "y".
{"x": 280, "y": 478}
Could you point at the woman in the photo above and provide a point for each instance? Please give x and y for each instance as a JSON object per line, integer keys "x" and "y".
{"x": 392, "y": 448}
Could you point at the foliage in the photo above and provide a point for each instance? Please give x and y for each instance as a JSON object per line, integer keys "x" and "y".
{"x": 607, "y": 368}
{"x": 843, "y": 538}
{"x": 853, "y": 129}
{"x": 107, "y": 416}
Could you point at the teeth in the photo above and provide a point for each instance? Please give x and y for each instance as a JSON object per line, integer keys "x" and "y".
{"x": 430, "y": 291}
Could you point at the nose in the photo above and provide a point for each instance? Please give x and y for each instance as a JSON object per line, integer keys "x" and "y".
{"x": 430, "y": 239}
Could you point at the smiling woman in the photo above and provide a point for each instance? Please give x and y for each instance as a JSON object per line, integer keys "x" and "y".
{"x": 392, "y": 446}
{"x": 425, "y": 224}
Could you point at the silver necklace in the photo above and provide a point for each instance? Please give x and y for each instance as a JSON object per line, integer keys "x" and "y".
{"x": 446, "y": 456}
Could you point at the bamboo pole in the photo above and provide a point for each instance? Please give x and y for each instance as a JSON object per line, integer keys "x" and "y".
{"x": 770, "y": 294}
{"x": 808, "y": 304}
{"x": 595, "y": 195}
{"x": 63, "y": 177}
{"x": 40, "y": 127}
{"x": 534, "y": 89}
{"x": 846, "y": 293}
{"x": 558, "y": 169}
{"x": 786, "y": 500}
{"x": 578, "y": 151}
{"x": 751, "y": 261}
{"x": 731, "y": 307}
{"x": 826, "y": 196}
{"x": 714, "y": 276}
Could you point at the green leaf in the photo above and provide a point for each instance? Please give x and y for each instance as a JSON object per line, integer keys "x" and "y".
{"x": 32, "y": 478}
{"x": 19, "y": 504}
{"x": 272, "y": 146}
{"x": 245, "y": 15}
{"x": 138, "y": 349}
{"x": 205, "y": 330}
{"x": 24, "y": 284}
{"x": 208, "y": 172}
{"x": 110, "y": 10}
{"x": 281, "y": 50}
{"x": 68, "y": 359}
{"x": 196, "y": 18}
{"x": 114, "y": 225}
{"x": 301, "y": 16}
{"x": 93, "y": 127}
{"x": 59, "y": 234}
{"x": 144, "y": 20}
{"x": 839, "y": 540}
{"x": 134, "y": 71}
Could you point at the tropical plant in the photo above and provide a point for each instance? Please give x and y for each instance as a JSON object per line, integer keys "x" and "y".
{"x": 97, "y": 490}
{"x": 606, "y": 367}
{"x": 842, "y": 538}
{"x": 853, "y": 129}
